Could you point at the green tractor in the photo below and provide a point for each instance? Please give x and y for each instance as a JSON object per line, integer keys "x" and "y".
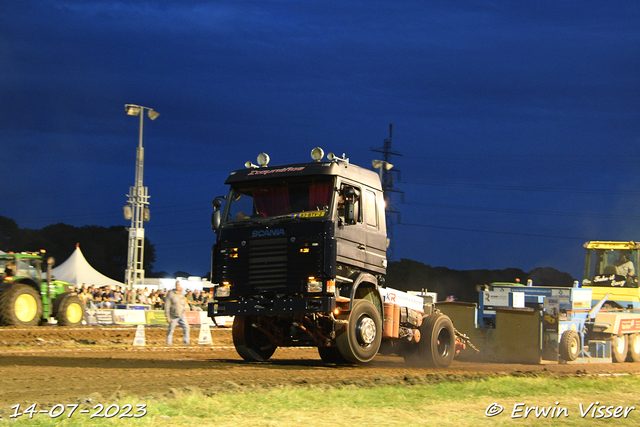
{"x": 28, "y": 299}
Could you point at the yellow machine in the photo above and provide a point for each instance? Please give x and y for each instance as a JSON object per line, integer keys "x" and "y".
{"x": 612, "y": 268}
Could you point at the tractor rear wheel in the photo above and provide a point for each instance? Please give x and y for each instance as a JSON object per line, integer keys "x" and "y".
{"x": 251, "y": 343}
{"x": 20, "y": 305}
{"x": 70, "y": 310}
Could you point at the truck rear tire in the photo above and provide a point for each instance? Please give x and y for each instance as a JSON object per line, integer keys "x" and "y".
{"x": 69, "y": 311}
{"x": 569, "y": 347}
{"x": 20, "y": 305}
{"x": 633, "y": 354}
{"x": 436, "y": 348}
{"x": 251, "y": 343}
{"x": 360, "y": 341}
{"x": 619, "y": 348}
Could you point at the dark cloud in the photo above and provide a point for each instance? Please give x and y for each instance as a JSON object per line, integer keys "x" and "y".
{"x": 518, "y": 122}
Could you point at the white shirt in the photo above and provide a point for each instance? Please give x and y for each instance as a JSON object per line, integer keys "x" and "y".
{"x": 626, "y": 269}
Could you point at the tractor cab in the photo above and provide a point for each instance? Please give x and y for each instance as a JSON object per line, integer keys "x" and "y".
{"x": 611, "y": 264}
{"x": 612, "y": 268}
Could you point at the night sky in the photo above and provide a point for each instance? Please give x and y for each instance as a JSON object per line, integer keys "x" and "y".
{"x": 518, "y": 122}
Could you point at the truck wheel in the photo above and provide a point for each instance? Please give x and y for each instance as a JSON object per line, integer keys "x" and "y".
{"x": 250, "y": 342}
{"x": 619, "y": 348}
{"x": 569, "y": 347}
{"x": 332, "y": 355}
{"x": 436, "y": 347}
{"x": 634, "y": 348}
{"x": 360, "y": 341}
{"x": 20, "y": 305}
{"x": 70, "y": 310}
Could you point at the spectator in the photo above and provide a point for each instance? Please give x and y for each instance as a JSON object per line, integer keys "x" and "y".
{"x": 108, "y": 298}
{"x": 175, "y": 306}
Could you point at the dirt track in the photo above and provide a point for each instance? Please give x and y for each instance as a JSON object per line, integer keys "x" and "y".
{"x": 51, "y": 365}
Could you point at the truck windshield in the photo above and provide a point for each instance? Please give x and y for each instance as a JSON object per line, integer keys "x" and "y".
{"x": 309, "y": 198}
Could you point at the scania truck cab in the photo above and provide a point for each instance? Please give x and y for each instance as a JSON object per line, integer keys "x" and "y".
{"x": 300, "y": 260}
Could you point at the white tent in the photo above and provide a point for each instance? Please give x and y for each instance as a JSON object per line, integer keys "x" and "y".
{"x": 77, "y": 270}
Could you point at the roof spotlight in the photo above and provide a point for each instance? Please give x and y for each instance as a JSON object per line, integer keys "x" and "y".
{"x": 263, "y": 159}
{"x": 317, "y": 154}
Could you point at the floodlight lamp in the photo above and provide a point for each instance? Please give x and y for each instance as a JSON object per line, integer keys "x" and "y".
{"x": 388, "y": 166}
{"x": 132, "y": 110}
{"x": 263, "y": 159}
{"x": 153, "y": 114}
{"x": 317, "y": 154}
{"x": 376, "y": 164}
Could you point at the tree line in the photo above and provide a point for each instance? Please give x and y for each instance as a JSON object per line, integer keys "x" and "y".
{"x": 408, "y": 275}
{"x": 105, "y": 248}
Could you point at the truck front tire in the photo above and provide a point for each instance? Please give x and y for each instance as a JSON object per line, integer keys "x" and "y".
{"x": 21, "y": 306}
{"x": 332, "y": 355}
{"x": 251, "y": 343}
{"x": 360, "y": 341}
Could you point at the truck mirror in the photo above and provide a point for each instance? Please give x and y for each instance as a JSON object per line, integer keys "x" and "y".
{"x": 216, "y": 217}
{"x": 349, "y": 205}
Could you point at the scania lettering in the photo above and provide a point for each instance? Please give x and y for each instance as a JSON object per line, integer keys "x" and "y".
{"x": 263, "y": 233}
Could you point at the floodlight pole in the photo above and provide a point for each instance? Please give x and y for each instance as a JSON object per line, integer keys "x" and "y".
{"x": 138, "y": 201}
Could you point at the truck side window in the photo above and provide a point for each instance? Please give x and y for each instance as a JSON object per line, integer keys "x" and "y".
{"x": 370, "y": 214}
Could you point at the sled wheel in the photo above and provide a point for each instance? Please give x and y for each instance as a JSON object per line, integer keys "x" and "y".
{"x": 21, "y": 306}
{"x": 251, "y": 343}
{"x": 360, "y": 340}
{"x": 619, "y": 348}
{"x": 634, "y": 348}
{"x": 569, "y": 347}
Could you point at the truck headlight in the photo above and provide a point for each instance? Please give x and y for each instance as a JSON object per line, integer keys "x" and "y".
{"x": 314, "y": 285}
{"x": 223, "y": 290}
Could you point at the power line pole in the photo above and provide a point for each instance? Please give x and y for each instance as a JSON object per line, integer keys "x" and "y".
{"x": 386, "y": 176}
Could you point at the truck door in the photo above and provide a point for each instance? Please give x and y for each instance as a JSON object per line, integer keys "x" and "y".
{"x": 375, "y": 231}
{"x": 350, "y": 235}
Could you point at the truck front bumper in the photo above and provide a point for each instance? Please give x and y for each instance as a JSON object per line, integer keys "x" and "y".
{"x": 286, "y": 305}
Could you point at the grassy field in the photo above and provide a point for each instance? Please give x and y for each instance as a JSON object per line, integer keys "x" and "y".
{"x": 539, "y": 401}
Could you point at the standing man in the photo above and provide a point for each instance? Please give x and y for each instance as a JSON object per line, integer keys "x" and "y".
{"x": 175, "y": 305}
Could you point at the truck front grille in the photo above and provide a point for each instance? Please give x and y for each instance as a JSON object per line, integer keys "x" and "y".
{"x": 268, "y": 263}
